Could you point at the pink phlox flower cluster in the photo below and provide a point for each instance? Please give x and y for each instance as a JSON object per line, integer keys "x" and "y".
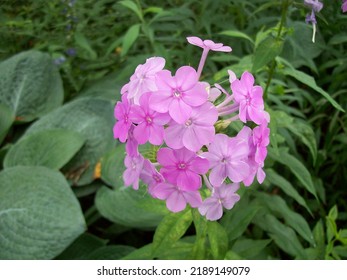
{"x": 344, "y": 6}
{"x": 180, "y": 115}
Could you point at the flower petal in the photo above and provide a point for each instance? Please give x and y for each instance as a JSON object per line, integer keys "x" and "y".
{"x": 176, "y": 202}
{"x": 179, "y": 111}
{"x": 141, "y": 133}
{"x": 166, "y": 157}
{"x": 186, "y": 78}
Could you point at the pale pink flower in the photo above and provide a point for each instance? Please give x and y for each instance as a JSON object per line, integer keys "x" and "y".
{"x": 123, "y": 124}
{"x": 344, "y": 6}
{"x": 150, "y": 176}
{"x": 176, "y": 197}
{"x": 261, "y": 140}
{"x": 143, "y": 80}
{"x": 182, "y": 167}
{"x": 150, "y": 124}
{"x": 131, "y": 145}
{"x": 208, "y": 44}
{"x": 222, "y": 196}
{"x": 249, "y": 98}
{"x": 133, "y": 170}
{"x": 177, "y": 95}
{"x": 228, "y": 158}
{"x": 198, "y": 129}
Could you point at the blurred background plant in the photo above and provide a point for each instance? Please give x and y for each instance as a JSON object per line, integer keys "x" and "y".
{"x": 63, "y": 64}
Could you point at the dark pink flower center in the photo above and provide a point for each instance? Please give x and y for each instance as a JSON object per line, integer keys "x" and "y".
{"x": 188, "y": 122}
{"x": 157, "y": 178}
{"x": 177, "y": 93}
{"x": 181, "y": 165}
{"x": 149, "y": 119}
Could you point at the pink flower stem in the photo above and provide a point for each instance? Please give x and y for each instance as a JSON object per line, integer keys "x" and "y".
{"x": 202, "y": 61}
{"x": 207, "y": 182}
{"x": 228, "y": 112}
{"x": 234, "y": 118}
{"x": 225, "y": 102}
{"x": 228, "y": 107}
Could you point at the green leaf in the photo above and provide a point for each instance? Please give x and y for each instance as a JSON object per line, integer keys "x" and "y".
{"x": 143, "y": 253}
{"x": 81, "y": 247}
{"x": 333, "y": 213}
{"x": 319, "y": 237}
{"x": 6, "y": 120}
{"x": 112, "y": 252}
{"x": 83, "y": 43}
{"x": 237, "y": 220}
{"x": 170, "y": 230}
{"x": 250, "y": 248}
{"x": 50, "y": 148}
{"x": 123, "y": 205}
{"x": 129, "y": 38}
{"x": 298, "y": 169}
{"x": 39, "y": 214}
{"x": 232, "y": 256}
{"x": 284, "y": 236}
{"x": 93, "y": 119}
{"x": 286, "y": 187}
{"x": 310, "y": 81}
{"x": 30, "y": 85}
{"x": 218, "y": 238}
{"x": 200, "y": 223}
{"x": 280, "y": 208}
{"x": 133, "y": 7}
{"x": 237, "y": 34}
{"x": 306, "y": 134}
{"x": 266, "y": 51}
{"x": 112, "y": 161}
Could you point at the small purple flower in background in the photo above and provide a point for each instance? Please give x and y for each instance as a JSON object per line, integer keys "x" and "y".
{"x": 60, "y": 60}
{"x": 316, "y": 6}
{"x": 71, "y": 52}
{"x": 223, "y": 196}
{"x": 344, "y": 6}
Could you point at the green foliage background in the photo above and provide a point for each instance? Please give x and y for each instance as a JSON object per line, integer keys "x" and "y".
{"x": 61, "y": 188}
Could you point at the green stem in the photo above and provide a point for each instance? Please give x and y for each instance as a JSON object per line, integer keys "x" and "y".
{"x": 285, "y": 5}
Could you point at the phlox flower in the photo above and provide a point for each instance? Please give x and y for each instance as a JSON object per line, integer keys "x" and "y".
{"x": 228, "y": 158}
{"x": 143, "y": 80}
{"x": 176, "y": 197}
{"x": 150, "y": 176}
{"x": 177, "y": 95}
{"x": 208, "y": 44}
{"x": 182, "y": 167}
{"x": 316, "y": 6}
{"x": 249, "y": 98}
{"x": 257, "y": 140}
{"x": 131, "y": 146}
{"x": 133, "y": 170}
{"x": 261, "y": 140}
{"x": 123, "y": 124}
{"x": 150, "y": 124}
{"x": 222, "y": 196}
{"x": 198, "y": 129}
{"x": 344, "y": 6}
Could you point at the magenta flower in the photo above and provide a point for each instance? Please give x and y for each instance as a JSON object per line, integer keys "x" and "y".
{"x": 131, "y": 146}
{"x": 249, "y": 98}
{"x": 198, "y": 129}
{"x": 121, "y": 113}
{"x": 177, "y": 95}
{"x": 208, "y": 44}
{"x": 133, "y": 170}
{"x": 143, "y": 80}
{"x": 182, "y": 168}
{"x": 150, "y": 176}
{"x": 176, "y": 197}
{"x": 261, "y": 140}
{"x": 344, "y": 6}
{"x": 150, "y": 124}
{"x": 223, "y": 196}
{"x": 227, "y": 158}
